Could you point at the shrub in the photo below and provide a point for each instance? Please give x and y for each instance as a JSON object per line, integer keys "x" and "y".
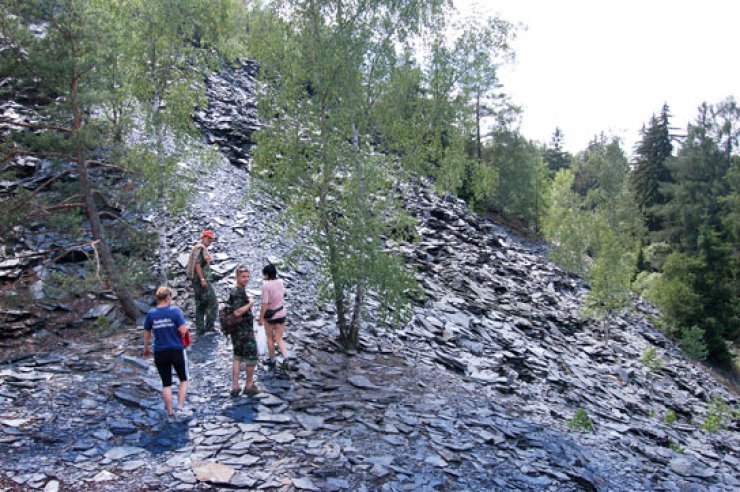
{"x": 651, "y": 359}
{"x": 74, "y": 281}
{"x": 103, "y": 323}
{"x": 675, "y": 447}
{"x": 719, "y": 415}
{"x": 670, "y": 417}
{"x": 692, "y": 343}
{"x": 580, "y": 421}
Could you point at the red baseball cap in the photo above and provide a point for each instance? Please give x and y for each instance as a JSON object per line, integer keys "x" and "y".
{"x": 208, "y": 233}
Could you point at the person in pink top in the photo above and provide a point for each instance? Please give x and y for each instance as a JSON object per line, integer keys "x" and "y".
{"x": 273, "y": 314}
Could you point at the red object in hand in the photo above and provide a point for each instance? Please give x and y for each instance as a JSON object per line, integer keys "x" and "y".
{"x": 186, "y": 338}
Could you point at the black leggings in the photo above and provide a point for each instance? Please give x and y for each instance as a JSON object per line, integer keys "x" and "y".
{"x": 165, "y": 360}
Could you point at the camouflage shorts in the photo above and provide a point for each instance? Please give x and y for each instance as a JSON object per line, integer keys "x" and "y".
{"x": 245, "y": 346}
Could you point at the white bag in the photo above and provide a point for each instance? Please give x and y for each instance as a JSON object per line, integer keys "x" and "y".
{"x": 261, "y": 339}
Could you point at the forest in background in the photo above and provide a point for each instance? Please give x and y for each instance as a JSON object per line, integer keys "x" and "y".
{"x": 352, "y": 105}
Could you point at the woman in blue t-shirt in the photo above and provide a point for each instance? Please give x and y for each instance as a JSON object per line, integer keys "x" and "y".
{"x": 168, "y": 324}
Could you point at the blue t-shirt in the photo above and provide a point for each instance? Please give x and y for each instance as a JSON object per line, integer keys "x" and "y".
{"x": 164, "y": 321}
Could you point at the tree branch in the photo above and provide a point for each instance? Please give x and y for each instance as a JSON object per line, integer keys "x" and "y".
{"x": 55, "y": 208}
{"x": 19, "y": 152}
{"x": 35, "y": 126}
{"x": 46, "y": 184}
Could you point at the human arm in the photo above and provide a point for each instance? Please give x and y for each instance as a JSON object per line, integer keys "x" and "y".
{"x": 245, "y": 308}
{"x": 199, "y": 273}
{"x": 264, "y": 302}
{"x": 147, "y": 340}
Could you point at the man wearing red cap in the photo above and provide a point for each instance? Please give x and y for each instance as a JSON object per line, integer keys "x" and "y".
{"x": 199, "y": 270}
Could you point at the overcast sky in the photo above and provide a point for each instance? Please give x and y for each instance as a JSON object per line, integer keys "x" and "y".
{"x": 607, "y": 65}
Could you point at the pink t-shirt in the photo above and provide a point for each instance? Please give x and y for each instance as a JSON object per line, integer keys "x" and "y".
{"x": 273, "y": 295}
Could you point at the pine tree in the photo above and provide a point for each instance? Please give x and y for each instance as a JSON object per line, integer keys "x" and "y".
{"x": 698, "y": 286}
{"x": 478, "y": 52}
{"x": 697, "y": 184}
{"x": 63, "y": 62}
{"x": 554, "y": 155}
{"x": 650, "y": 169}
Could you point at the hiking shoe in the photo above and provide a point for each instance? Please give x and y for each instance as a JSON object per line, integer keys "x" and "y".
{"x": 183, "y": 414}
{"x": 235, "y": 392}
{"x": 270, "y": 363}
{"x": 169, "y": 417}
{"x": 252, "y": 391}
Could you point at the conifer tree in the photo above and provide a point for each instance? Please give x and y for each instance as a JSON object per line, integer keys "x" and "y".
{"x": 650, "y": 168}
{"x": 62, "y": 63}
{"x": 698, "y": 286}
{"x": 555, "y": 156}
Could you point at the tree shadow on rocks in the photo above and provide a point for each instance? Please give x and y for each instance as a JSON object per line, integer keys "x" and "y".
{"x": 242, "y": 411}
{"x": 203, "y": 348}
{"x": 170, "y": 436}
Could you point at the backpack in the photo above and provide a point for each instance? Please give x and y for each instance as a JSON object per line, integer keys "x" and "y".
{"x": 228, "y": 320}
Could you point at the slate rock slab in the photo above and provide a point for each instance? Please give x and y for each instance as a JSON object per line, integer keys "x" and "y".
{"x": 209, "y": 471}
{"x": 361, "y": 382}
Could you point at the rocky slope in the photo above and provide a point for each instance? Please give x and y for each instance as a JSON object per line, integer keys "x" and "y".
{"x": 475, "y": 393}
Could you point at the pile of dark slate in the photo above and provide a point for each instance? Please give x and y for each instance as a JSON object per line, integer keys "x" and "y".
{"x": 31, "y": 254}
{"x": 476, "y": 392}
{"x": 230, "y": 118}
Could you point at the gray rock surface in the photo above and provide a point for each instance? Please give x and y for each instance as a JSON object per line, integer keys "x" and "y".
{"x": 474, "y": 393}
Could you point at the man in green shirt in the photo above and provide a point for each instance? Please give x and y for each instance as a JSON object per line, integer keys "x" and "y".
{"x": 199, "y": 270}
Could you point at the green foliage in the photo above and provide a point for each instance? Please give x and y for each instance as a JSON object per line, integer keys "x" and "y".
{"x": 695, "y": 197}
{"x": 62, "y": 283}
{"x": 692, "y": 343}
{"x": 651, "y": 359}
{"x": 521, "y": 188}
{"x": 644, "y": 283}
{"x": 650, "y": 171}
{"x": 580, "y": 421}
{"x": 675, "y": 447}
{"x": 596, "y": 235}
{"x": 602, "y": 166}
{"x": 554, "y": 155}
{"x": 566, "y": 226}
{"x": 700, "y": 291}
{"x": 135, "y": 271}
{"x": 719, "y": 415}
{"x": 102, "y": 323}
{"x": 673, "y": 292}
{"x": 328, "y": 69}
{"x": 670, "y": 417}
{"x": 609, "y": 277}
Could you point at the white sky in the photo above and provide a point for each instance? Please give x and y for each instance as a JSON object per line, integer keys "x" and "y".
{"x": 607, "y": 65}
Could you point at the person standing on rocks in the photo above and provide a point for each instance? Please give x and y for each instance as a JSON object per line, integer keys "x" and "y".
{"x": 242, "y": 338}
{"x": 273, "y": 314}
{"x": 199, "y": 270}
{"x": 168, "y": 325}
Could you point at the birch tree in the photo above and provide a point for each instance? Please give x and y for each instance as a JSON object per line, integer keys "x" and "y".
{"x": 328, "y": 63}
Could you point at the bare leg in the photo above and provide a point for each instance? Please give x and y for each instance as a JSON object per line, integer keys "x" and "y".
{"x": 278, "y": 331}
{"x": 235, "y": 374}
{"x": 181, "y": 392}
{"x": 270, "y": 340}
{"x": 250, "y": 375}
{"x": 167, "y": 397}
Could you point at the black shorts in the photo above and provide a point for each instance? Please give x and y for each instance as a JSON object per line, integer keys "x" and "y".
{"x": 276, "y": 321}
{"x": 165, "y": 360}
